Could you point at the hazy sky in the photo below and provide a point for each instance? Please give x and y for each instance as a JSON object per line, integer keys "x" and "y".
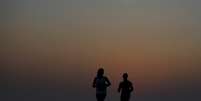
{"x": 57, "y": 44}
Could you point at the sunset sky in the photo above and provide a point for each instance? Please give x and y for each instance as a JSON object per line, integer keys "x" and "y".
{"x": 51, "y": 49}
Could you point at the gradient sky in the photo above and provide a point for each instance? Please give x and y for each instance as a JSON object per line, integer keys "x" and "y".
{"x": 53, "y": 47}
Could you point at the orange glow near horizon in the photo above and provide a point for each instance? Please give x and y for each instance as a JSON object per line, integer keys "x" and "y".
{"x": 158, "y": 46}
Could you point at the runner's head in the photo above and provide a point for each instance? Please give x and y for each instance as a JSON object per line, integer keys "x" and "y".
{"x": 100, "y": 72}
{"x": 125, "y": 76}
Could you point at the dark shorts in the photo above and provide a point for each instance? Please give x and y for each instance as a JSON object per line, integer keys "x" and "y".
{"x": 100, "y": 97}
{"x": 125, "y": 97}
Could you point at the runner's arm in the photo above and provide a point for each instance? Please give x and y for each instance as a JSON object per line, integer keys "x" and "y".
{"x": 108, "y": 82}
{"x": 119, "y": 88}
{"x": 94, "y": 83}
{"x": 131, "y": 87}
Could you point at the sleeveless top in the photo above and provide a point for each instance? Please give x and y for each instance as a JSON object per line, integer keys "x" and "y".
{"x": 125, "y": 85}
{"x": 101, "y": 85}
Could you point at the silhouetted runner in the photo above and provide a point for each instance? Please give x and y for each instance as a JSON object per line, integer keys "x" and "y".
{"x": 101, "y": 83}
{"x": 125, "y": 87}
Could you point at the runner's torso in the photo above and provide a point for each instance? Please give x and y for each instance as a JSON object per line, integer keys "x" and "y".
{"x": 101, "y": 85}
